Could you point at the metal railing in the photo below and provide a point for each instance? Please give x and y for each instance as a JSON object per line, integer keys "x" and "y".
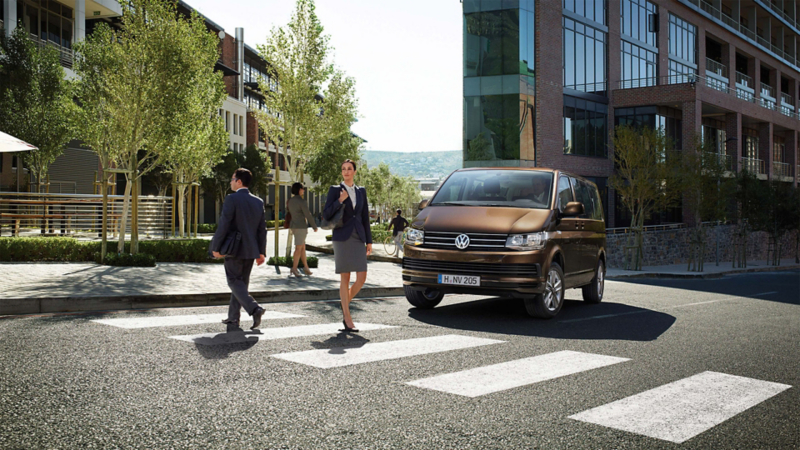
{"x": 747, "y": 96}
{"x": 743, "y": 79}
{"x": 716, "y": 67}
{"x": 718, "y": 85}
{"x": 768, "y": 104}
{"x": 81, "y": 214}
{"x": 776, "y": 9}
{"x": 662, "y": 227}
{"x": 786, "y": 99}
{"x": 588, "y": 87}
{"x": 781, "y": 169}
{"x": 767, "y": 90}
{"x": 638, "y": 83}
{"x": 753, "y": 165}
{"x": 724, "y": 160}
{"x": 788, "y": 111}
{"x": 66, "y": 55}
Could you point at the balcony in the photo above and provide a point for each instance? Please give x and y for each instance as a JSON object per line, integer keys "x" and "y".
{"x": 754, "y": 166}
{"x": 781, "y": 169}
{"x": 726, "y": 161}
{"x": 717, "y": 68}
{"x": 743, "y": 80}
{"x": 65, "y": 55}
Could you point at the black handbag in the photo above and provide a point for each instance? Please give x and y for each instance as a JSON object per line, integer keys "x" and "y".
{"x": 230, "y": 246}
{"x": 336, "y": 220}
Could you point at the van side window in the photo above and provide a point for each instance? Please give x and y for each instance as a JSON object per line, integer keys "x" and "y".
{"x": 564, "y": 193}
{"x": 583, "y": 194}
{"x": 598, "y": 206}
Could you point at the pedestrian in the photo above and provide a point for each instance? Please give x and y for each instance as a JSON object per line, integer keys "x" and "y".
{"x": 242, "y": 213}
{"x": 349, "y": 240}
{"x": 301, "y": 219}
{"x": 398, "y": 225}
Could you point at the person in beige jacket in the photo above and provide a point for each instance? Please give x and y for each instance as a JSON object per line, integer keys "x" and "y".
{"x": 301, "y": 219}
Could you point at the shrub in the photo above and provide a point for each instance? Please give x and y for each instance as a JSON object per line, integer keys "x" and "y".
{"x": 271, "y": 224}
{"x": 286, "y": 261}
{"x": 128, "y": 260}
{"x": 329, "y": 238}
{"x": 206, "y": 227}
{"x": 64, "y": 249}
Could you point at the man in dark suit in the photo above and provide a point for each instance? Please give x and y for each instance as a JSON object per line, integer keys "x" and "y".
{"x": 242, "y": 212}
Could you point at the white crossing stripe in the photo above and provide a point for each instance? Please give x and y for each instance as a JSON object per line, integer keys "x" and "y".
{"x": 273, "y": 333}
{"x": 194, "y": 319}
{"x": 678, "y": 411}
{"x": 508, "y": 375}
{"x": 346, "y": 356}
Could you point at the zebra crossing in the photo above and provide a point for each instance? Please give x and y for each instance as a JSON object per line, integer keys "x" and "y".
{"x": 674, "y": 412}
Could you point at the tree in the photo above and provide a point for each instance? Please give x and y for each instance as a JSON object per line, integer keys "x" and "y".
{"x": 646, "y": 178}
{"x": 35, "y": 99}
{"x": 706, "y": 190}
{"x": 139, "y": 83}
{"x": 217, "y": 181}
{"x": 748, "y": 196}
{"x": 325, "y": 166}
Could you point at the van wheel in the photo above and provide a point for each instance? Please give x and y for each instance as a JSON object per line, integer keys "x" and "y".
{"x": 425, "y": 299}
{"x": 548, "y": 304}
{"x": 593, "y": 292}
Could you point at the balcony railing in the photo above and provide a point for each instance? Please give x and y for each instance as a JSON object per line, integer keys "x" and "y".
{"x": 781, "y": 169}
{"x": 776, "y": 9}
{"x": 723, "y": 160}
{"x": 786, "y": 99}
{"x": 768, "y": 104}
{"x": 767, "y": 90}
{"x": 747, "y": 96}
{"x": 65, "y": 55}
{"x": 716, "y": 67}
{"x": 753, "y": 165}
{"x": 744, "y": 80}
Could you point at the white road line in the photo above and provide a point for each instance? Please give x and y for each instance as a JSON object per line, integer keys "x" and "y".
{"x": 237, "y": 337}
{"x": 341, "y": 356}
{"x": 765, "y": 293}
{"x": 194, "y": 319}
{"x": 695, "y": 304}
{"x": 606, "y": 316}
{"x": 508, "y": 375}
{"x": 678, "y": 411}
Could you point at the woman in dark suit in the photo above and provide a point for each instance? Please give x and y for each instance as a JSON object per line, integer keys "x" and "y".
{"x": 352, "y": 242}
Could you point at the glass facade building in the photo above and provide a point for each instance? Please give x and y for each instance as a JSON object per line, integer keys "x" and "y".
{"x": 499, "y": 83}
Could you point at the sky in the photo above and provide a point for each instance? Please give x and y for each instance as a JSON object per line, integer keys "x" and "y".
{"x": 405, "y": 56}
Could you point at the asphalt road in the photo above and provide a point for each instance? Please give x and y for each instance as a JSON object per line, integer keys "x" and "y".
{"x": 652, "y": 351}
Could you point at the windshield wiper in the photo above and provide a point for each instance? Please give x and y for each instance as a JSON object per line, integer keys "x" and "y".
{"x": 448, "y": 204}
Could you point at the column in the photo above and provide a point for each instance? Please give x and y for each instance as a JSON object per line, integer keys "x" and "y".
{"x": 733, "y": 131}
{"x": 692, "y": 122}
{"x": 765, "y": 146}
{"x": 10, "y": 16}
{"x": 701, "y": 51}
{"x": 791, "y": 153}
{"x": 729, "y": 59}
{"x": 80, "y": 21}
{"x": 663, "y": 43}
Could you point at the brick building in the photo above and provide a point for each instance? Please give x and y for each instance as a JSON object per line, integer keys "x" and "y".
{"x": 545, "y": 82}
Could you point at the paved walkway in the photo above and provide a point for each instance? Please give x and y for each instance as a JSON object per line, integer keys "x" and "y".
{"x": 27, "y": 288}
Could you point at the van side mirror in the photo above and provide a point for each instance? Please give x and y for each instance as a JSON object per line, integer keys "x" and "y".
{"x": 423, "y": 204}
{"x": 573, "y": 209}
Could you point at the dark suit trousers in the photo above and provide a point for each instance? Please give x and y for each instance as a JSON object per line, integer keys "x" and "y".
{"x": 237, "y": 272}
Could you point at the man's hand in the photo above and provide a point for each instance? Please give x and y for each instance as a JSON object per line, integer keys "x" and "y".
{"x": 369, "y": 249}
{"x": 260, "y": 260}
{"x": 217, "y": 255}
{"x": 315, "y": 229}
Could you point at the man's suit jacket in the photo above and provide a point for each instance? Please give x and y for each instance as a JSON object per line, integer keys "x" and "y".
{"x": 243, "y": 212}
{"x": 357, "y": 218}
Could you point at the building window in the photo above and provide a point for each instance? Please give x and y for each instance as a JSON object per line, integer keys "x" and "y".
{"x": 639, "y": 66}
{"x": 492, "y": 43}
{"x": 491, "y": 124}
{"x": 235, "y": 124}
{"x": 778, "y": 149}
{"x": 585, "y": 127}
{"x": 681, "y": 73}
{"x": 636, "y": 17}
{"x": 656, "y": 117}
{"x": 227, "y": 121}
{"x": 241, "y": 126}
{"x": 51, "y": 22}
{"x": 682, "y": 40}
{"x": 591, "y": 9}
{"x": 584, "y": 56}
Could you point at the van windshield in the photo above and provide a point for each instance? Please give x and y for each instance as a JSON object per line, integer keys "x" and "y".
{"x": 512, "y": 188}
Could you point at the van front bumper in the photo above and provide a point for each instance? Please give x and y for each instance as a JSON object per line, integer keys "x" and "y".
{"x": 516, "y": 275}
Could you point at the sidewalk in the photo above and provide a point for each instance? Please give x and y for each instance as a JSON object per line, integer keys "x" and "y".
{"x": 32, "y": 288}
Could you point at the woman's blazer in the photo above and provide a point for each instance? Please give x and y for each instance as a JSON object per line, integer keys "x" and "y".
{"x": 358, "y": 218}
{"x": 301, "y": 216}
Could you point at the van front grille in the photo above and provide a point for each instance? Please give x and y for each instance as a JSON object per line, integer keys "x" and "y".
{"x": 467, "y": 268}
{"x": 477, "y": 241}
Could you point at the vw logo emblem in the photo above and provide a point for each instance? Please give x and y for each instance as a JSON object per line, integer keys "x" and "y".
{"x": 462, "y": 241}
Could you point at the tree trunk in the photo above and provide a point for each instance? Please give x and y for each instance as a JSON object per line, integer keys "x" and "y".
{"x": 123, "y": 223}
{"x": 181, "y": 210}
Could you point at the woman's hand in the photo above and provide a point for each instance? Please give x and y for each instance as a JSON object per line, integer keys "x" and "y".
{"x": 369, "y": 249}
{"x": 343, "y": 195}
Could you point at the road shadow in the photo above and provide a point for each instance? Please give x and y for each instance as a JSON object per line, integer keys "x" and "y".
{"x": 577, "y": 320}
{"x": 222, "y": 345}
{"x": 779, "y": 286}
{"x": 339, "y": 344}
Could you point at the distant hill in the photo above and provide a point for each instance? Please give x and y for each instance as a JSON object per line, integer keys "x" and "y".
{"x": 417, "y": 164}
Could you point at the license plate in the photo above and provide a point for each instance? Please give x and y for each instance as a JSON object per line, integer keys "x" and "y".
{"x": 466, "y": 280}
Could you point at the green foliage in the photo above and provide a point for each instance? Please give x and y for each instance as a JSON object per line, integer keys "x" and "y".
{"x": 35, "y": 99}
{"x": 329, "y": 238}
{"x": 286, "y": 261}
{"x": 480, "y": 149}
{"x": 23, "y": 249}
{"x": 379, "y": 235}
{"x": 325, "y": 166}
{"x": 206, "y": 227}
{"x": 387, "y": 192}
{"x": 417, "y": 164}
{"x": 127, "y": 260}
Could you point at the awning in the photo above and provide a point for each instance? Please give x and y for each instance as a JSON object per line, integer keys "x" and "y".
{"x": 9, "y": 143}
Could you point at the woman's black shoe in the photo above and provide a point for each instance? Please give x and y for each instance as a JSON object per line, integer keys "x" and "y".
{"x": 348, "y": 329}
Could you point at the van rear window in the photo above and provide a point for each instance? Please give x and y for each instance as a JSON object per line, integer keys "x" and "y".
{"x": 512, "y": 188}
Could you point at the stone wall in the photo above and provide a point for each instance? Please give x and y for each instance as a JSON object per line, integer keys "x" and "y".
{"x": 672, "y": 246}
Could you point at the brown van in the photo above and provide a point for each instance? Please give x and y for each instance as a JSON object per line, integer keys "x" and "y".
{"x": 527, "y": 233}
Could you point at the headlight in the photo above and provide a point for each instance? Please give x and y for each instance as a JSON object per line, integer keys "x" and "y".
{"x": 534, "y": 241}
{"x": 414, "y": 236}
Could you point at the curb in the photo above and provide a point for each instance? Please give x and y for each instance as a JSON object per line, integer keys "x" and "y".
{"x": 329, "y": 251}
{"x": 17, "y": 306}
{"x": 702, "y": 275}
